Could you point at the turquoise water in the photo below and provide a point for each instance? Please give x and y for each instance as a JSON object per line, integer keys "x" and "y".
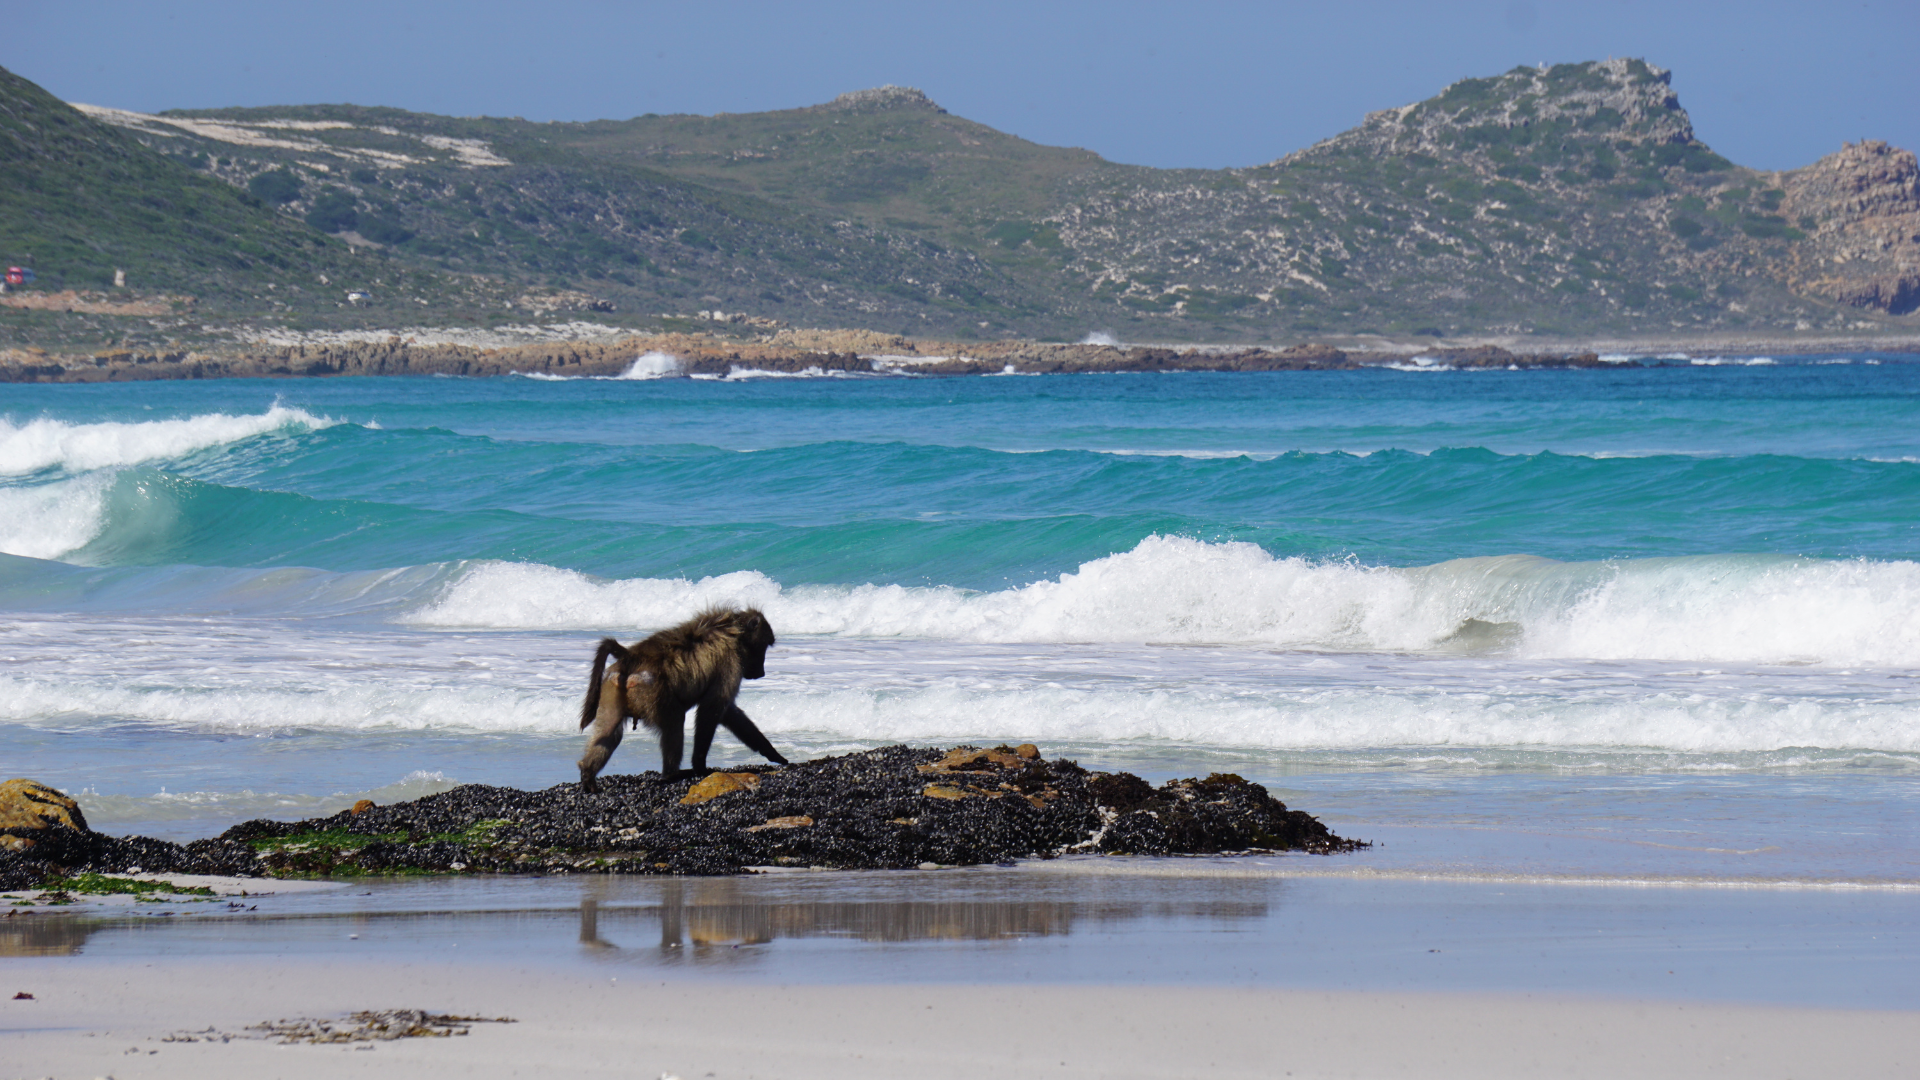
{"x": 1394, "y": 596}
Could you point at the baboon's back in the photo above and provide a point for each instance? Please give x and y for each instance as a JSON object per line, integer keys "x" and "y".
{"x": 691, "y": 654}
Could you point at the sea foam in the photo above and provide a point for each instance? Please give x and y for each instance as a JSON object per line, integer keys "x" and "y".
{"x": 1767, "y": 609}
{"x": 1472, "y": 725}
{"x": 1353, "y": 718}
{"x": 653, "y": 365}
{"x": 251, "y": 706}
{"x": 46, "y": 521}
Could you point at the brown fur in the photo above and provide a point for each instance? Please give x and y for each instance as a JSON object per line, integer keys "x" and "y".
{"x": 697, "y": 664}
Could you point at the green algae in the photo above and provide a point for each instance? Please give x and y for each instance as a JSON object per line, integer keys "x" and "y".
{"x": 105, "y": 885}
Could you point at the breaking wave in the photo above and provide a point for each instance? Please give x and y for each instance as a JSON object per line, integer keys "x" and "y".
{"x": 39, "y": 445}
{"x": 1767, "y": 609}
{"x": 46, "y": 521}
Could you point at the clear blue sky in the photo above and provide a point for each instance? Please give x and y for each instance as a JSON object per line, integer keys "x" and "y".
{"x": 1770, "y": 84}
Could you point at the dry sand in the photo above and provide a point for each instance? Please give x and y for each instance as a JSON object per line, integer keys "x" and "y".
{"x": 99, "y": 1018}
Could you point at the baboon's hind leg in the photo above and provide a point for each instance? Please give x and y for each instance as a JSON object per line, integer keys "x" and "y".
{"x": 604, "y": 737}
{"x": 705, "y": 720}
{"x": 673, "y": 736}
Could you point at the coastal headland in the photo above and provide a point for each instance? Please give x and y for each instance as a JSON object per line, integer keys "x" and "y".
{"x": 1548, "y": 204}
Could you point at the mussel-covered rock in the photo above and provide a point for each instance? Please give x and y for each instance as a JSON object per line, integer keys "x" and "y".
{"x": 893, "y": 808}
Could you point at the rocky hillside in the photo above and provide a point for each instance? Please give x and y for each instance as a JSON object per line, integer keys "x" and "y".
{"x": 1565, "y": 201}
{"x": 1861, "y": 208}
{"x": 1562, "y": 200}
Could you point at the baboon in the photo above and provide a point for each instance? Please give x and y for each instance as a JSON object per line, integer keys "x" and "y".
{"x": 697, "y": 664}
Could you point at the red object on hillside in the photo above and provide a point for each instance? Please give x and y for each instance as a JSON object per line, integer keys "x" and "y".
{"x": 18, "y": 275}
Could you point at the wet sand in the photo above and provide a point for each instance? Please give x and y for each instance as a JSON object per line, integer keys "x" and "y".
{"x": 1117, "y": 967}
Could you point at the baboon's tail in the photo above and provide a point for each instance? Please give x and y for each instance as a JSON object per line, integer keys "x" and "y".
{"x": 591, "y": 707}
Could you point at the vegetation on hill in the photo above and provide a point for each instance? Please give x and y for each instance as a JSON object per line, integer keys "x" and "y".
{"x": 525, "y": 203}
{"x": 1544, "y": 200}
{"x": 1562, "y": 200}
{"x": 81, "y": 199}
{"x": 85, "y": 203}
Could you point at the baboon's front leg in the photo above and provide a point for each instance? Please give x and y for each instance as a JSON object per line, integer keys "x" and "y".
{"x": 743, "y": 729}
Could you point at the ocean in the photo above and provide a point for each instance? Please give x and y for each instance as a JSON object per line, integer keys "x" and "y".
{"x": 1625, "y": 625}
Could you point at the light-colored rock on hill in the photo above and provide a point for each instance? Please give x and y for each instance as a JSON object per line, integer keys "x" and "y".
{"x": 1862, "y": 209}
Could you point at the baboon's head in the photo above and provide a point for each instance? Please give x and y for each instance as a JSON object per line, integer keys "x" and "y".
{"x": 756, "y": 637}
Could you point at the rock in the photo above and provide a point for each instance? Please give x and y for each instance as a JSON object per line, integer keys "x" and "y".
{"x": 798, "y": 821}
{"x": 1862, "y": 207}
{"x": 879, "y": 99}
{"x": 967, "y": 759}
{"x": 718, "y": 784}
{"x": 28, "y": 807}
{"x": 950, "y": 791}
{"x": 879, "y": 809}
{"x": 43, "y": 834}
{"x": 763, "y": 360}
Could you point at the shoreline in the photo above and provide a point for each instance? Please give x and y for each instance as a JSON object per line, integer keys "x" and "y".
{"x": 856, "y": 353}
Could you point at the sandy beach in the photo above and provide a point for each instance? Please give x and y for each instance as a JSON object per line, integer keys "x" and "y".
{"x": 1177, "y": 971}
{"x": 110, "y": 1019}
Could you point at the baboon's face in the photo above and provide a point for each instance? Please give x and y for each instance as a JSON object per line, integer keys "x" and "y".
{"x": 756, "y": 637}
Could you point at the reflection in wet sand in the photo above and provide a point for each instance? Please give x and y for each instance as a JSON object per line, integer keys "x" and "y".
{"x": 1017, "y": 926}
{"x": 727, "y": 912}
{"x": 44, "y": 935}
{"x": 672, "y": 921}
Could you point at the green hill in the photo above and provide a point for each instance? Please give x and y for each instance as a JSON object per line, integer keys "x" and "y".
{"x": 80, "y": 199}
{"x": 1568, "y": 200}
{"x": 566, "y": 206}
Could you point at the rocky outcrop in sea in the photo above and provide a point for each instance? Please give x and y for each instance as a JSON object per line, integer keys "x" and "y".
{"x": 897, "y": 807}
{"x": 702, "y": 355}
